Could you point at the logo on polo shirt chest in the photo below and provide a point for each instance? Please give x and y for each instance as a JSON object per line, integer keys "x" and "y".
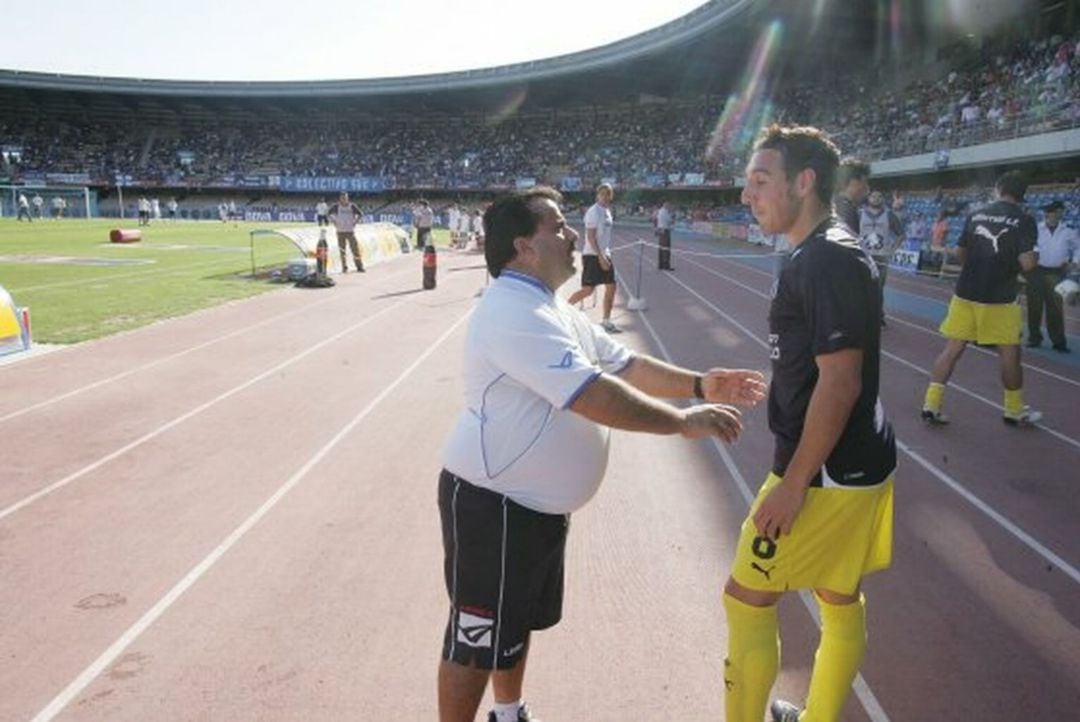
{"x": 566, "y": 362}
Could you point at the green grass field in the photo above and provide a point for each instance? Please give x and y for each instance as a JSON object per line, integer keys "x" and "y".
{"x": 80, "y": 286}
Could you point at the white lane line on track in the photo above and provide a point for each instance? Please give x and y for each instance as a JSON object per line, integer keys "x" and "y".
{"x": 178, "y": 354}
{"x": 194, "y": 412}
{"x": 986, "y": 352}
{"x": 139, "y": 273}
{"x": 933, "y": 332}
{"x": 865, "y": 695}
{"x": 1003, "y": 521}
{"x": 903, "y": 362}
{"x": 99, "y": 665}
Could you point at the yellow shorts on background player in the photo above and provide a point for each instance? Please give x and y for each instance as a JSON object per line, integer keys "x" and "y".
{"x": 984, "y": 323}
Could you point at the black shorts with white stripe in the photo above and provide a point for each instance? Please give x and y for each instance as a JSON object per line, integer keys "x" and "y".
{"x": 593, "y": 275}
{"x": 504, "y": 573}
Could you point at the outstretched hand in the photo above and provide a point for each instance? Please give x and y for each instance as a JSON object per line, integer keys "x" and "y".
{"x": 734, "y": 386}
{"x": 712, "y": 420}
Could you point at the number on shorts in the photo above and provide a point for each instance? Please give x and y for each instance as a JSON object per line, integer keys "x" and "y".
{"x": 763, "y": 547}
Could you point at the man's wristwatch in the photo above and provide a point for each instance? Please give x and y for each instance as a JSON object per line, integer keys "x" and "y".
{"x": 699, "y": 392}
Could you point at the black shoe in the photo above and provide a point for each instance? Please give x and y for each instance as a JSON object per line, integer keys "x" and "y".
{"x": 1061, "y": 348}
{"x": 361, "y": 269}
{"x": 1034, "y": 342}
{"x": 934, "y": 418}
{"x": 782, "y": 711}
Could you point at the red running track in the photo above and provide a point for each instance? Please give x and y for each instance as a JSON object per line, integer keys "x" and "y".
{"x": 232, "y": 516}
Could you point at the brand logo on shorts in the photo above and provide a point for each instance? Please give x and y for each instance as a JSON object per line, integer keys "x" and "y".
{"x": 473, "y": 630}
{"x": 763, "y": 570}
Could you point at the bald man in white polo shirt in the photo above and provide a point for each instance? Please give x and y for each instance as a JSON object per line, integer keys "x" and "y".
{"x": 543, "y": 388}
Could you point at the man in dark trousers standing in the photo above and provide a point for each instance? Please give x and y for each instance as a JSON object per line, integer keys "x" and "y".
{"x": 345, "y": 215}
{"x": 665, "y": 222}
{"x": 1058, "y": 246}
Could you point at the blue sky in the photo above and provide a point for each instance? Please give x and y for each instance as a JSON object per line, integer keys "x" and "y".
{"x": 289, "y": 40}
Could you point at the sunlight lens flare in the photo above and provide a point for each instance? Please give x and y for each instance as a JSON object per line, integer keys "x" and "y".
{"x": 508, "y": 105}
{"x": 747, "y": 110}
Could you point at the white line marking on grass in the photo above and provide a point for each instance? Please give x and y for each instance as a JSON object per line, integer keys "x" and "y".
{"x": 99, "y": 665}
{"x": 157, "y": 271}
{"x": 956, "y": 486}
{"x": 865, "y": 695}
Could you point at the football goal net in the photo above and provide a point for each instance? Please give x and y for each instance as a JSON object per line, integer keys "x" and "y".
{"x": 49, "y": 201}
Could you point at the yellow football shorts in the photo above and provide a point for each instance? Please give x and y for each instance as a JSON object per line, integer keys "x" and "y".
{"x": 840, "y": 536}
{"x": 986, "y": 323}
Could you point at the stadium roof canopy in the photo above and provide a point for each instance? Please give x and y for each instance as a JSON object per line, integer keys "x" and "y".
{"x": 669, "y": 36}
{"x": 704, "y": 51}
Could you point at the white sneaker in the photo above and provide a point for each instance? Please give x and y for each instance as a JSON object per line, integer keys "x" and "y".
{"x": 782, "y": 711}
{"x": 610, "y": 327}
{"x": 1027, "y": 417}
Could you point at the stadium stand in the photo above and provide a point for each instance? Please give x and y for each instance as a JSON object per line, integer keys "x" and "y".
{"x": 644, "y": 122}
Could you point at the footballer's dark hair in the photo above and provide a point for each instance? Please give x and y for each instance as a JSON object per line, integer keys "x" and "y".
{"x": 803, "y": 147}
{"x": 850, "y": 169}
{"x": 1013, "y": 184}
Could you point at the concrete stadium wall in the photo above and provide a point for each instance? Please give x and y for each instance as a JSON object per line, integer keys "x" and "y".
{"x": 1033, "y": 147}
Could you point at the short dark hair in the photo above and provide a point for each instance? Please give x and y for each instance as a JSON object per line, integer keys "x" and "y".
{"x": 802, "y": 147}
{"x": 512, "y": 216}
{"x": 1013, "y": 184}
{"x": 851, "y": 168}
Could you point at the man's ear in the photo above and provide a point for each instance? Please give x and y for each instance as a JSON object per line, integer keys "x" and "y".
{"x": 804, "y": 182}
{"x": 523, "y": 246}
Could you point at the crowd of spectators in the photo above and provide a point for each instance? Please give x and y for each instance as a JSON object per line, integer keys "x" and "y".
{"x": 1025, "y": 88}
{"x": 998, "y": 92}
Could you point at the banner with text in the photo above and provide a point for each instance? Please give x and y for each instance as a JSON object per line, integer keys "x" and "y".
{"x": 333, "y": 184}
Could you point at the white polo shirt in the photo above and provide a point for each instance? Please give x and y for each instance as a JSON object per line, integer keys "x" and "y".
{"x": 1058, "y": 248}
{"x": 664, "y": 219}
{"x": 528, "y": 355}
{"x": 598, "y": 217}
{"x": 423, "y": 217}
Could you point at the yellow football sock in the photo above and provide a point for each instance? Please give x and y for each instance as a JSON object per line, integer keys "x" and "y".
{"x": 1014, "y": 401}
{"x": 752, "y": 661}
{"x": 934, "y": 394}
{"x": 843, "y": 642}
